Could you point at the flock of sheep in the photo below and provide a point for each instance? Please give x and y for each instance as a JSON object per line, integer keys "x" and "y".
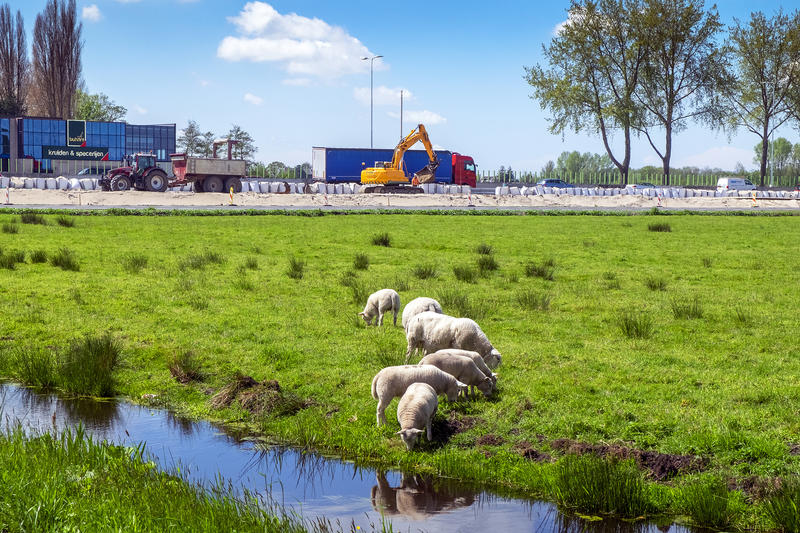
{"x": 457, "y": 355}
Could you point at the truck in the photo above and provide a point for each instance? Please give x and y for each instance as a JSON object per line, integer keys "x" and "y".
{"x": 206, "y": 174}
{"x": 344, "y": 165}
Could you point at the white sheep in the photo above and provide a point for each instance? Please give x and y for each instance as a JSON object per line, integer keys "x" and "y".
{"x": 476, "y": 358}
{"x": 462, "y": 368}
{"x": 378, "y": 303}
{"x": 417, "y": 306}
{"x": 415, "y": 411}
{"x": 432, "y": 332}
{"x": 392, "y": 382}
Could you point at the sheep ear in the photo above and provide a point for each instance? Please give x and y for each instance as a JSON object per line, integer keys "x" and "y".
{"x": 416, "y": 431}
{"x": 361, "y": 313}
{"x": 495, "y": 374}
{"x": 399, "y": 432}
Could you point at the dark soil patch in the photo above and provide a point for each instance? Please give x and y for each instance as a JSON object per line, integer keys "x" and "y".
{"x": 444, "y": 428}
{"x": 794, "y": 449}
{"x": 662, "y": 466}
{"x": 264, "y": 397}
{"x": 757, "y": 488}
{"x": 490, "y": 440}
{"x": 527, "y": 451}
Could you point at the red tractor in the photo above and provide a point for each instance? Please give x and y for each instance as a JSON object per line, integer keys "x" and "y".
{"x": 142, "y": 174}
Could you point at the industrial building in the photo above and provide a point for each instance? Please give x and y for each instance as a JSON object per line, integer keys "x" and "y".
{"x": 39, "y": 146}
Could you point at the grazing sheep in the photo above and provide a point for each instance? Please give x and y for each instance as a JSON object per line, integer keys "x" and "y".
{"x": 476, "y": 358}
{"x": 392, "y": 382}
{"x": 417, "y": 306}
{"x": 378, "y": 303}
{"x": 415, "y": 411}
{"x": 432, "y": 332}
{"x": 462, "y": 368}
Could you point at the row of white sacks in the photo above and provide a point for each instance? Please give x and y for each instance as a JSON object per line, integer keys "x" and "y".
{"x": 654, "y": 192}
{"x": 264, "y": 187}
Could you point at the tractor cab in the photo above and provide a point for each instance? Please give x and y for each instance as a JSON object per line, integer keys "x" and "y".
{"x": 143, "y": 162}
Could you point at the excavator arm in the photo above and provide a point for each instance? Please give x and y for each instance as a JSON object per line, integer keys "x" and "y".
{"x": 427, "y": 173}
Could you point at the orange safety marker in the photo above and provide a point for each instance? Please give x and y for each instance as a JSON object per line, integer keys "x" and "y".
{"x": 755, "y": 204}
{"x": 231, "y": 195}
{"x": 8, "y": 195}
{"x": 659, "y": 200}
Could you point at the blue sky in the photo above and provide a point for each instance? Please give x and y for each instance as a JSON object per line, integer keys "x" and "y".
{"x": 290, "y": 73}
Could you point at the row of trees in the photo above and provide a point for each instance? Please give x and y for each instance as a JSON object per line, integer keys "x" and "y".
{"x": 784, "y": 157}
{"x": 651, "y": 67}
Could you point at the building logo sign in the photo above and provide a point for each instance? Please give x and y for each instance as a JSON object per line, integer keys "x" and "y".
{"x": 78, "y": 153}
{"x": 76, "y": 133}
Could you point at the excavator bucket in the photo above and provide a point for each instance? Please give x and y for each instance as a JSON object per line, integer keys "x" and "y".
{"x": 427, "y": 173}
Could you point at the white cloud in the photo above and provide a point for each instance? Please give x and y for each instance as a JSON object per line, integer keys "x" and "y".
{"x": 91, "y": 13}
{"x": 723, "y": 157}
{"x": 382, "y": 95}
{"x": 204, "y": 83}
{"x": 303, "y": 46}
{"x": 426, "y": 117}
{"x": 572, "y": 17}
{"x": 297, "y": 82}
{"x": 139, "y": 109}
{"x": 250, "y": 98}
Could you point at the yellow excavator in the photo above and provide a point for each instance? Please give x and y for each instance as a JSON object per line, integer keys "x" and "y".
{"x": 388, "y": 176}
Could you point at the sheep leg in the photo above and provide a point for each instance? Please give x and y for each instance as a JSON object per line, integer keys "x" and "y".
{"x": 394, "y": 312}
{"x": 380, "y": 318}
{"x": 428, "y": 427}
{"x": 381, "y": 411}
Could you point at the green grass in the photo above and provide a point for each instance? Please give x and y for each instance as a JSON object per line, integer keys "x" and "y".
{"x": 39, "y": 256}
{"x": 88, "y": 364}
{"x": 424, "y": 271}
{"x": 719, "y": 387}
{"x": 465, "y": 273}
{"x": 635, "y": 325}
{"x": 65, "y": 259}
{"x": 134, "y": 262}
{"x": 687, "y": 308}
{"x": 487, "y": 264}
{"x": 65, "y": 221}
{"x": 361, "y": 262}
{"x": 382, "y": 239}
{"x": 296, "y": 268}
{"x": 544, "y": 270}
{"x": 70, "y": 482}
{"x": 32, "y": 218}
{"x": 10, "y": 228}
{"x": 533, "y": 300}
{"x": 660, "y": 227}
{"x": 484, "y": 249}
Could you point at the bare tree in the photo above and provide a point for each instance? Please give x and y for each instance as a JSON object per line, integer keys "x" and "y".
{"x": 765, "y": 55}
{"x": 14, "y": 65}
{"x": 57, "y": 48}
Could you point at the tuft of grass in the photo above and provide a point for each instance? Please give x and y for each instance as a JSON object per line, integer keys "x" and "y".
{"x": 361, "y": 262}
{"x": 609, "y": 275}
{"x": 197, "y": 302}
{"x": 36, "y": 367}
{"x": 243, "y": 283}
{"x": 134, "y": 262}
{"x": 39, "y": 256}
{"x": 424, "y": 271}
{"x": 782, "y": 507}
{"x": 465, "y": 273}
{"x": 532, "y": 300}
{"x": 400, "y": 284}
{"x": 382, "y": 239}
{"x": 76, "y": 296}
{"x": 659, "y": 226}
{"x": 655, "y": 284}
{"x": 687, "y": 309}
{"x": 487, "y": 264}
{"x": 544, "y": 270}
{"x": 596, "y": 485}
{"x": 32, "y": 218}
{"x": 707, "y": 502}
{"x": 200, "y": 261}
{"x": 462, "y": 305}
{"x": 484, "y": 249}
{"x": 9, "y": 259}
{"x": 707, "y": 262}
{"x": 296, "y": 268}
{"x": 65, "y": 221}
{"x": 65, "y": 259}
{"x": 186, "y": 367}
{"x": 10, "y": 227}
{"x": 88, "y": 365}
{"x": 635, "y": 325}
{"x": 251, "y": 263}
{"x": 743, "y": 315}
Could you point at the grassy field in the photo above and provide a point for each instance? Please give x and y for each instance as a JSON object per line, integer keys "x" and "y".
{"x": 620, "y": 335}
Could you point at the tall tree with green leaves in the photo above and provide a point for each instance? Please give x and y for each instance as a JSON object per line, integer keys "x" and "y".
{"x": 780, "y": 155}
{"x": 190, "y": 140}
{"x": 97, "y": 107}
{"x": 681, "y": 75}
{"x": 593, "y": 68}
{"x": 206, "y": 147}
{"x": 245, "y": 147}
{"x": 764, "y": 71}
{"x": 14, "y": 64}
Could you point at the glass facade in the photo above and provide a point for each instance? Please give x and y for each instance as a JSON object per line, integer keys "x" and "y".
{"x": 159, "y": 140}
{"x": 121, "y": 139}
{"x": 5, "y": 143}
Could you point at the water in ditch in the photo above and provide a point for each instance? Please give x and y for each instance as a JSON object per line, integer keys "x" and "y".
{"x": 312, "y": 485}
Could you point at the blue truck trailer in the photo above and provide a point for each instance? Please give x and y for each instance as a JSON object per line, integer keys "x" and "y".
{"x": 344, "y": 165}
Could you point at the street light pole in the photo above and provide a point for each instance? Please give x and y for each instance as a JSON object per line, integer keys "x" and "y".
{"x": 371, "y": 59}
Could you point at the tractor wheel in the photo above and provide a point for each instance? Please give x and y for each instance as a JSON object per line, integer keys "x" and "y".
{"x": 156, "y": 181}
{"x": 120, "y": 182}
{"x": 236, "y": 183}
{"x": 213, "y": 184}
{"x": 197, "y": 186}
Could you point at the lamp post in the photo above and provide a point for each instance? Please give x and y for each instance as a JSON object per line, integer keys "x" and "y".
{"x": 371, "y": 59}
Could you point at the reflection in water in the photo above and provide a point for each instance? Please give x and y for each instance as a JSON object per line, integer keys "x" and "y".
{"x": 39, "y": 410}
{"x": 418, "y": 497}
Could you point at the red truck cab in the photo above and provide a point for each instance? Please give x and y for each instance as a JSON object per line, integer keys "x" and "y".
{"x": 464, "y": 171}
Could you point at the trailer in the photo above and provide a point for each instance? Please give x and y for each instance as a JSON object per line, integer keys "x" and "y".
{"x": 209, "y": 174}
{"x": 344, "y": 165}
